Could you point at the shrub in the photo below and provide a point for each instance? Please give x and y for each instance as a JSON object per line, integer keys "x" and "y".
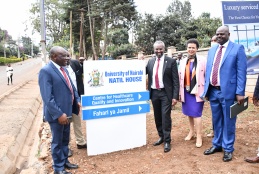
{"x": 4, "y": 60}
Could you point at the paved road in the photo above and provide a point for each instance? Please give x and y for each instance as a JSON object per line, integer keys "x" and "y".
{"x": 20, "y": 116}
{"x": 23, "y": 72}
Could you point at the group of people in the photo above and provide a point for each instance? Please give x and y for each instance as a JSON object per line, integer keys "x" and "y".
{"x": 61, "y": 85}
{"x": 219, "y": 78}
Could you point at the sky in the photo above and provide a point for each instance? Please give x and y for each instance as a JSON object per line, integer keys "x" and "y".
{"x": 198, "y": 6}
{"x": 15, "y": 13}
{"x": 13, "y": 16}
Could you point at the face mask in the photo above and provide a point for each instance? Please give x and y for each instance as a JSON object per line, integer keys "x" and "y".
{"x": 213, "y": 44}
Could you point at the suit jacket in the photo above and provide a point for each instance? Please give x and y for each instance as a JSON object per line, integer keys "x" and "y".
{"x": 200, "y": 76}
{"x": 56, "y": 94}
{"x": 232, "y": 71}
{"x": 170, "y": 77}
{"x": 78, "y": 69}
{"x": 256, "y": 90}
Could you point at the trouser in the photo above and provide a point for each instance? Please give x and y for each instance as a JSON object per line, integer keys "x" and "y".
{"x": 59, "y": 144}
{"x": 162, "y": 113}
{"x": 10, "y": 78}
{"x": 76, "y": 121}
{"x": 224, "y": 126}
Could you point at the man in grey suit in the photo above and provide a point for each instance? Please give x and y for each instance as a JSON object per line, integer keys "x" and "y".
{"x": 163, "y": 84}
{"x": 60, "y": 100}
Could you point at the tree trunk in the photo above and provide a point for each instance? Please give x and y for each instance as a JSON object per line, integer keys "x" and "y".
{"x": 105, "y": 40}
{"x": 71, "y": 39}
{"x": 91, "y": 31}
{"x": 81, "y": 52}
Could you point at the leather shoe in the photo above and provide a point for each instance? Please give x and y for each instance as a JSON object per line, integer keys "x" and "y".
{"x": 212, "y": 150}
{"x": 167, "y": 147}
{"x": 227, "y": 156}
{"x": 69, "y": 165}
{"x": 70, "y": 152}
{"x": 252, "y": 159}
{"x": 158, "y": 142}
{"x": 81, "y": 146}
{"x": 62, "y": 172}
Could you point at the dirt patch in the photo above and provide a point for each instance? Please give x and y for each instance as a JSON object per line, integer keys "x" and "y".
{"x": 184, "y": 156}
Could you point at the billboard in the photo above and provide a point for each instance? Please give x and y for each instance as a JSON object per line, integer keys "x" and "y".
{"x": 242, "y": 18}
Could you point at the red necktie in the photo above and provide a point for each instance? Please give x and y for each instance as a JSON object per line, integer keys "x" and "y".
{"x": 156, "y": 76}
{"x": 214, "y": 80}
{"x": 68, "y": 82}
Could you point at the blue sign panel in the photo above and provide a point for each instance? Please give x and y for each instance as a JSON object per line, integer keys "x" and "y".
{"x": 114, "y": 98}
{"x": 240, "y": 12}
{"x": 115, "y": 111}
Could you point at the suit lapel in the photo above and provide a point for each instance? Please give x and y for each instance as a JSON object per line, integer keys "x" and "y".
{"x": 164, "y": 66}
{"x": 211, "y": 59}
{"x": 59, "y": 73}
{"x": 230, "y": 46}
{"x": 152, "y": 63}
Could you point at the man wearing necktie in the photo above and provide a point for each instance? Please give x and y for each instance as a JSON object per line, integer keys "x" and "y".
{"x": 163, "y": 84}
{"x": 225, "y": 81}
{"x": 60, "y": 100}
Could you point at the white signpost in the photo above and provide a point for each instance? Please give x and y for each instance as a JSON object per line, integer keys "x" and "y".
{"x": 115, "y": 105}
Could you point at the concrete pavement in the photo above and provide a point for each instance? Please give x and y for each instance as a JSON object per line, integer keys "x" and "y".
{"x": 18, "y": 114}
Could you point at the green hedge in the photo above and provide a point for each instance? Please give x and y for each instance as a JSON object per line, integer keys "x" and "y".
{"x": 4, "y": 61}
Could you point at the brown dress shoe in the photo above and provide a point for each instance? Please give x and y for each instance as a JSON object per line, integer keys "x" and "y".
{"x": 252, "y": 159}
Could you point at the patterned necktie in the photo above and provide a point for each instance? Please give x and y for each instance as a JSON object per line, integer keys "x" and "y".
{"x": 68, "y": 82}
{"x": 156, "y": 76}
{"x": 216, "y": 67}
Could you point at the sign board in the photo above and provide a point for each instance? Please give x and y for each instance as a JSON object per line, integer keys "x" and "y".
{"x": 115, "y": 105}
{"x": 242, "y": 18}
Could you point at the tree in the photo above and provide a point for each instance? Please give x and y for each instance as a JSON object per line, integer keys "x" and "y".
{"x": 180, "y": 10}
{"x": 56, "y": 25}
{"x": 204, "y": 28}
{"x": 109, "y": 14}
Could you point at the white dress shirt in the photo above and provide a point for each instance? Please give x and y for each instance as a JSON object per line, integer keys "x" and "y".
{"x": 160, "y": 73}
{"x": 222, "y": 55}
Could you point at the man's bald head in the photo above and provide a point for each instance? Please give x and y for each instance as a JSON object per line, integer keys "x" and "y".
{"x": 222, "y": 34}
{"x": 59, "y": 55}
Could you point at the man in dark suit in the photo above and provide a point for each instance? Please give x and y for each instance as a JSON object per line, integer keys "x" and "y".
{"x": 78, "y": 69}
{"x": 225, "y": 82}
{"x": 60, "y": 100}
{"x": 256, "y": 103}
{"x": 163, "y": 84}
{"x": 75, "y": 70}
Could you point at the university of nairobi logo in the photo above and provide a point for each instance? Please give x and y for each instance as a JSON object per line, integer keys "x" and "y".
{"x": 95, "y": 78}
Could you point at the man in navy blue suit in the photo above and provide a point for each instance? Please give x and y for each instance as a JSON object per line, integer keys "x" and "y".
{"x": 60, "y": 100}
{"x": 225, "y": 82}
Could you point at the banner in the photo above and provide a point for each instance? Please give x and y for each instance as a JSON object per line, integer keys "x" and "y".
{"x": 242, "y": 18}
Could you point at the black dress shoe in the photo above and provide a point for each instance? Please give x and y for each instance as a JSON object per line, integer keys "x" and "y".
{"x": 212, "y": 150}
{"x": 81, "y": 146}
{"x": 62, "y": 172}
{"x": 158, "y": 142}
{"x": 227, "y": 156}
{"x": 167, "y": 147}
{"x": 69, "y": 165}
